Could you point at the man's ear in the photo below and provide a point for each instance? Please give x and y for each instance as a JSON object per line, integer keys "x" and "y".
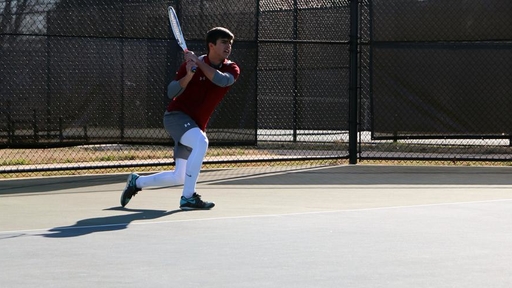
{"x": 210, "y": 46}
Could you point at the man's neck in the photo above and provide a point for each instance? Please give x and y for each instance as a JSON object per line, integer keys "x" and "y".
{"x": 215, "y": 61}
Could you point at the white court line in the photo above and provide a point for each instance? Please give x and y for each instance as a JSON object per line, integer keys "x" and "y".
{"x": 253, "y": 216}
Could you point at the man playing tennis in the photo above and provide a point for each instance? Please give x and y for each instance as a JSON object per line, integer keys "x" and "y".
{"x": 200, "y": 84}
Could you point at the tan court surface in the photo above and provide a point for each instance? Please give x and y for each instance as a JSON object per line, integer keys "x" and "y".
{"x": 336, "y": 226}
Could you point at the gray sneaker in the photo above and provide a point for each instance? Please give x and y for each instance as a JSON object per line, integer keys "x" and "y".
{"x": 195, "y": 202}
{"x": 130, "y": 190}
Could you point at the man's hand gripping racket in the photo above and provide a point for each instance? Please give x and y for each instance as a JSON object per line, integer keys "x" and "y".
{"x": 178, "y": 34}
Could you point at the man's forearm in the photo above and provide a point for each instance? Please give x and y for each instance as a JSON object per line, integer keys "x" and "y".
{"x": 214, "y": 75}
{"x": 174, "y": 89}
{"x": 223, "y": 79}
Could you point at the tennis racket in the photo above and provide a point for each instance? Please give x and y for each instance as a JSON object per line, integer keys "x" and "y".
{"x": 176, "y": 30}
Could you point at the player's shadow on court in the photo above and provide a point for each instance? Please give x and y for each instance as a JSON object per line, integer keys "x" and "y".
{"x": 106, "y": 224}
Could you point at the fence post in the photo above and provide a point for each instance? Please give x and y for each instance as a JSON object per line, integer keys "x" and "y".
{"x": 35, "y": 127}
{"x": 10, "y": 124}
{"x": 295, "y": 71}
{"x": 353, "y": 78}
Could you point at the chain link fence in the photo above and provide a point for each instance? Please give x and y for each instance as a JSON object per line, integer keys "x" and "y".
{"x": 82, "y": 82}
{"x": 439, "y": 73}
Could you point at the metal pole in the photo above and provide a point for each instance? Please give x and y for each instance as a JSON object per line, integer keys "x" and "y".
{"x": 122, "y": 116}
{"x": 353, "y": 78}
{"x": 257, "y": 42}
{"x": 295, "y": 68}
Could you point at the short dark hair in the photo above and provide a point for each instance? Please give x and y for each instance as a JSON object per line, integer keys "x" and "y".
{"x": 217, "y": 33}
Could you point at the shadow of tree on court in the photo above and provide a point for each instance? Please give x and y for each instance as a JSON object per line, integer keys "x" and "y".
{"x": 108, "y": 223}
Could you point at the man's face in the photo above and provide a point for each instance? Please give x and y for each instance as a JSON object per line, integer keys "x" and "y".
{"x": 222, "y": 49}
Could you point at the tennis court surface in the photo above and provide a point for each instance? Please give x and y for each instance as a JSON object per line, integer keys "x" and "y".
{"x": 336, "y": 226}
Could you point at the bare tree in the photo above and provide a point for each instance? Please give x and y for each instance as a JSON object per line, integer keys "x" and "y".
{"x": 6, "y": 17}
{"x": 13, "y": 14}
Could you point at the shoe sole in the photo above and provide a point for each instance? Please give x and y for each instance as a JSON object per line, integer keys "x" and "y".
{"x": 124, "y": 191}
{"x": 193, "y": 208}
{"x": 122, "y": 198}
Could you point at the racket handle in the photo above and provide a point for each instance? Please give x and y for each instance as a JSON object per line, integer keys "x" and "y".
{"x": 194, "y": 68}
